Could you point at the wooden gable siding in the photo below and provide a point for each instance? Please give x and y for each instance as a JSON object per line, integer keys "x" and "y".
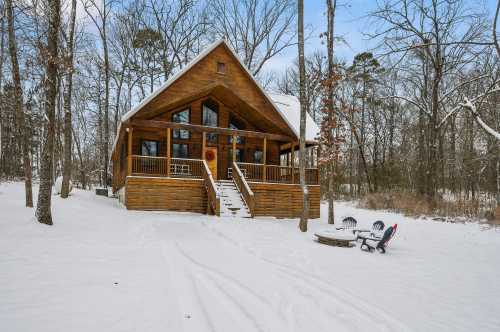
{"x": 204, "y": 74}
{"x": 284, "y": 200}
{"x": 144, "y": 193}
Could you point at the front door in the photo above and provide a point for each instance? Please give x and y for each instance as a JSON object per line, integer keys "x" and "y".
{"x": 211, "y": 158}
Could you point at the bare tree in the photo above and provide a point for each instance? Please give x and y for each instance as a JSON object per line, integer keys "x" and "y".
{"x": 43, "y": 209}
{"x": 21, "y": 122}
{"x": 331, "y": 7}
{"x": 99, "y": 12}
{"x": 68, "y": 132}
{"x": 430, "y": 30}
{"x": 303, "y": 111}
{"x": 257, "y": 30}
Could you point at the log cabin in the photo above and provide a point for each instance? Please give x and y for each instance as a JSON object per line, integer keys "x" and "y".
{"x": 211, "y": 140}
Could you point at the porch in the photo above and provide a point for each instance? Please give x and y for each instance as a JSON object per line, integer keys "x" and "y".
{"x": 194, "y": 184}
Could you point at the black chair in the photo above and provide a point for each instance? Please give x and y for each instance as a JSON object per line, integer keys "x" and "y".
{"x": 348, "y": 223}
{"x": 375, "y": 232}
{"x": 370, "y": 244}
{"x": 378, "y": 226}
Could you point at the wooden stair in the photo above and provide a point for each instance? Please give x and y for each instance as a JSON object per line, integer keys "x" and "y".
{"x": 231, "y": 202}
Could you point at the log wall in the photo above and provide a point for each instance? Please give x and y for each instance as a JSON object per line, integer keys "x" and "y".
{"x": 145, "y": 193}
{"x": 284, "y": 200}
{"x": 168, "y": 194}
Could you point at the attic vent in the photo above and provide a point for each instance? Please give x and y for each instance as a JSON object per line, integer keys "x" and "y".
{"x": 221, "y": 67}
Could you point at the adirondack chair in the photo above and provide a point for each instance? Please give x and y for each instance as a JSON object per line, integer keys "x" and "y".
{"x": 375, "y": 232}
{"x": 348, "y": 223}
{"x": 370, "y": 244}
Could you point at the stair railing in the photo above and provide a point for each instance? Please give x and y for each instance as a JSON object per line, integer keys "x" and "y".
{"x": 244, "y": 188}
{"x": 212, "y": 192}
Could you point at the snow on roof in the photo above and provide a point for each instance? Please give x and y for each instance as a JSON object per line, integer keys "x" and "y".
{"x": 289, "y": 107}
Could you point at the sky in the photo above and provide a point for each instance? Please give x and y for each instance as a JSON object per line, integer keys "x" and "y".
{"x": 351, "y": 22}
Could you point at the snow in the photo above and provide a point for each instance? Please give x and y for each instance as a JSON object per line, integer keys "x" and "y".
{"x": 336, "y": 234}
{"x": 104, "y": 268}
{"x": 289, "y": 107}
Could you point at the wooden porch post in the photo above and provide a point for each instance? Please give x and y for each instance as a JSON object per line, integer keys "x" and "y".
{"x": 169, "y": 131}
{"x": 234, "y": 148}
{"x": 264, "y": 160}
{"x": 293, "y": 162}
{"x": 129, "y": 151}
{"x": 203, "y": 145}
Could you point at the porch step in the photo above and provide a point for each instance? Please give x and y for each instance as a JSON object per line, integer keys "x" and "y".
{"x": 231, "y": 202}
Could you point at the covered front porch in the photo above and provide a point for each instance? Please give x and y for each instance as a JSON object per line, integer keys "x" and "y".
{"x": 224, "y": 154}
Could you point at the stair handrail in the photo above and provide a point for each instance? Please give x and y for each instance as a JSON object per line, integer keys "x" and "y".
{"x": 243, "y": 187}
{"x": 212, "y": 192}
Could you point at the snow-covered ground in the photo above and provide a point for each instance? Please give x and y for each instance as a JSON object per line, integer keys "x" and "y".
{"x": 103, "y": 268}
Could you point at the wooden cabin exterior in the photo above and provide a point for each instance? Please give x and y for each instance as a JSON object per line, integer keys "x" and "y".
{"x": 210, "y": 130}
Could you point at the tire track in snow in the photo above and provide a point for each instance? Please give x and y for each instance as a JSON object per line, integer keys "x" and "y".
{"x": 222, "y": 283}
{"x": 177, "y": 274}
{"x": 343, "y": 320}
{"x": 224, "y": 276}
{"x": 321, "y": 286}
{"x": 203, "y": 306}
{"x": 233, "y": 304}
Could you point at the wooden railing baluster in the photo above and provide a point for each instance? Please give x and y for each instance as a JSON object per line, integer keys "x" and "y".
{"x": 244, "y": 188}
{"x": 212, "y": 192}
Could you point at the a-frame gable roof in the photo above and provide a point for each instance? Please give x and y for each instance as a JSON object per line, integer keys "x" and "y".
{"x": 281, "y": 114}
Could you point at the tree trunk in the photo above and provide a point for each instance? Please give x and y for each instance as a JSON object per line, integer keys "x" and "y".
{"x": 21, "y": 122}
{"x": 303, "y": 110}
{"x": 43, "y": 209}
{"x": 67, "y": 106}
{"x": 2, "y": 49}
{"x": 106, "y": 99}
{"x": 331, "y": 6}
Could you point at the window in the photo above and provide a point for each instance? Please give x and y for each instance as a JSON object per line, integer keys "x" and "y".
{"x": 149, "y": 148}
{"x": 221, "y": 67}
{"x": 239, "y": 155}
{"x": 233, "y": 124}
{"x": 210, "y": 118}
{"x": 258, "y": 157}
{"x": 180, "y": 117}
{"x": 180, "y": 150}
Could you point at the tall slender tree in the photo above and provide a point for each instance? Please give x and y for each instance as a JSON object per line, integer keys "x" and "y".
{"x": 331, "y": 7}
{"x": 100, "y": 18}
{"x": 18, "y": 95}
{"x": 43, "y": 208}
{"x": 303, "y": 110}
{"x": 67, "y": 103}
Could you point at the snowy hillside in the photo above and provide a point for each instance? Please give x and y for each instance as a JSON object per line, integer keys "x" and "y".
{"x": 103, "y": 268}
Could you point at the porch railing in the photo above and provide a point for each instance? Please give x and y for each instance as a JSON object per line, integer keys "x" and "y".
{"x": 278, "y": 174}
{"x": 194, "y": 169}
{"x": 158, "y": 166}
{"x": 244, "y": 188}
{"x": 212, "y": 192}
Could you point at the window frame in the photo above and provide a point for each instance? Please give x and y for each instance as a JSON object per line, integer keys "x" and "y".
{"x": 177, "y": 133}
{"x": 261, "y": 157}
{"x": 221, "y": 65}
{"x": 241, "y": 155}
{"x": 151, "y": 141}
{"x": 235, "y": 124}
{"x": 180, "y": 144}
{"x": 214, "y": 107}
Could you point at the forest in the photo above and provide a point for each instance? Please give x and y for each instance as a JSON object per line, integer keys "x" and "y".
{"x": 412, "y": 124}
